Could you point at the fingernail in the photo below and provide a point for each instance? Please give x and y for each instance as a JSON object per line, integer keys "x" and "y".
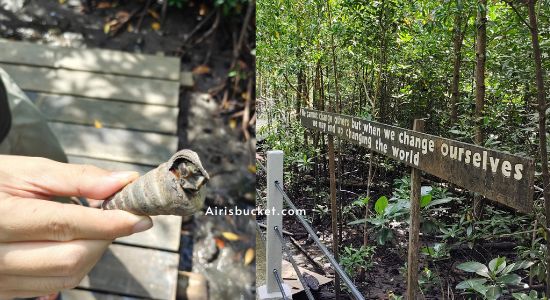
{"x": 144, "y": 224}
{"x": 124, "y": 177}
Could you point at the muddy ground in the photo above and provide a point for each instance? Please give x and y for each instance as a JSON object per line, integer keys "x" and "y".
{"x": 215, "y": 45}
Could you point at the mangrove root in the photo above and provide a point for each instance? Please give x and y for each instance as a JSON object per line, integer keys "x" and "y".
{"x": 176, "y": 187}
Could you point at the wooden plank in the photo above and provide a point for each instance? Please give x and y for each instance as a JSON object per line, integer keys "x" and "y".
{"x": 135, "y": 272}
{"x": 92, "y": 60}
{"x": 115, "y": 144}
{"x": 164, "y": 235}
{"x": 94, "y": 85}
{"x": 116, "y": 114}
{"x": 499, "y": 176}
{"x": 91, "y": 295}
{"x": 289, "y": 276}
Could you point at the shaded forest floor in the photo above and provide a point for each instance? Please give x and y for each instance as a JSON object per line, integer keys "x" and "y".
{"x": 218, "y": 48}
{"x": 385, "y": 277}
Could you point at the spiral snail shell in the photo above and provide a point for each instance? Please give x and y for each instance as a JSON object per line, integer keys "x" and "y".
{"x": 175, "y": 187}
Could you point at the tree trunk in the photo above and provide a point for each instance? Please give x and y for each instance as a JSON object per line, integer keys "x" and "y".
{"x": 481, "y": 52}
{"x": 457, "y": 50}
{"x": 541, "y": 99}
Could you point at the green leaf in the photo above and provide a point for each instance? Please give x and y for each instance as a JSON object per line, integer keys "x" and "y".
{"x": 496, "y": 265}
{"x": 381, "y": 205}
{"x": 359, "y": 221}
{"x": 439, "y": 201}
{"x": 473, "y": 284}
{"x": 425, "y": 200}
{"x": 384, "y": 235}
{"x": 522, "y": 265}
{"x": 493, "y": 292}
{"x": 510, "y": 279}
{"x": 474, "y": 267}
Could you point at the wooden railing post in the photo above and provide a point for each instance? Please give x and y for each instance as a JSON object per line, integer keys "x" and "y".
{"x": 414, "y": 230}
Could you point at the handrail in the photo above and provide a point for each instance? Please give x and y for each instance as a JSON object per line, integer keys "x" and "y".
{"x": 347, "y": 281}
{"x": 294, "y": 265}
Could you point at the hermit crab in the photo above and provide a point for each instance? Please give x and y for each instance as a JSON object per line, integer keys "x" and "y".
{"x": 175, "y": 187}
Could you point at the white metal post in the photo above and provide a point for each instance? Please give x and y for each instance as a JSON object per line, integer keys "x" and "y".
{"x": 274, "y": 249}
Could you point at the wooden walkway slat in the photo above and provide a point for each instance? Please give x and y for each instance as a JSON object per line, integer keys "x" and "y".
{"x": 115, "y": 144}
{"x": 109, "y": 164}
{"x": 90, "y": 295}
{"x": 93, "y": 85}
{"x": 124, "y": 115}
{"x": 91, "y": 60}
{"x": 135, "y": 272}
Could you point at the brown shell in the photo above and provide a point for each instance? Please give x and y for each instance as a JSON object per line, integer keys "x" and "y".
{"x": 175, "y": 187}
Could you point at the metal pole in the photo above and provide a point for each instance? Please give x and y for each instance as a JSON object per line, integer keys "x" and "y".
{"x": 274, "y": 219}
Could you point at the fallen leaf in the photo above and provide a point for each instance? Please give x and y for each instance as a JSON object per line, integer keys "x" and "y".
{"x": 130, "y": 28}
{"x": 252, "y": 169}
{"x": 230, "y": 236}
{"x": 97, "y": 124}
{"x": 220, "y": 243}
{"x": 106, "y": 28}
{"x": 203, "y": 9}
{"x": 201, "y": 69}
{"x": 104, "y": 4}
{"x": 155, "y": 26}
{"x": 153, "y": 14}
{"x": 249, "y": 256}
{"x": 62, "y": 1}
{"x": 233, "y": 123}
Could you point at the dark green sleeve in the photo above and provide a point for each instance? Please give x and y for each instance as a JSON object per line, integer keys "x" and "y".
{"x": 5, "y": 115}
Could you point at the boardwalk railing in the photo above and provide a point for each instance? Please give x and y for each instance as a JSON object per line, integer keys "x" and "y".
{"x": 275, "y": 287}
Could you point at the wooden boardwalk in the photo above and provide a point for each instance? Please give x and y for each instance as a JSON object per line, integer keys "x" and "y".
{"x": 117, "y": 111}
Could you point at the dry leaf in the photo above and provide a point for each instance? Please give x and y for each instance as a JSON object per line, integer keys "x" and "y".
{"x": 220, "y": 243}
{"x": 230, "y": 236}
{"x": 130, "y": 28}
{"x": 106, "y": 28}
{"x": 104, "y": 4}
{"x": 153, "y": 14}
{"x": 97, "y": 124}
{"x": 252, "y": 169}
{"x": 203, "y": 9}
{"x": 155, "y": 26}
{"x": 201, "y": 69}
{"x": 249, "y": 256}
{"x": 233, "y": 123}
{"x": 62, "y": 1}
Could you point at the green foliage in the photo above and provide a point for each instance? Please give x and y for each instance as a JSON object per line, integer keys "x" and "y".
{"x": 533, "y": 295}
{"x": 496, "y": 277}
{"x": 353, "y": 259}
{"x": 537, "y": 254}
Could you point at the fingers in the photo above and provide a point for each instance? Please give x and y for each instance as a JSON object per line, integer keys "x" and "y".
{"x": 50, "y": 259}
{"x": 38, "y": 177}
{"x": 39, "y": 220}
{"x": 40, "y": 268}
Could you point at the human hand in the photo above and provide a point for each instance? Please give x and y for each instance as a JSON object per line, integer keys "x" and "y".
{"x": 47, "y": 246}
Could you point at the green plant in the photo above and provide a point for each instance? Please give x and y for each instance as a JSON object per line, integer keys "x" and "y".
{"x": 177, "y": 3}
{"x": 496, "y": 277}
{"x": 438, "y": 251}
{"x": 385, "y": 213}
{"x": 353, "y": 259}
{"x": 533, "y": 295}
{"x": 537, "y": 254}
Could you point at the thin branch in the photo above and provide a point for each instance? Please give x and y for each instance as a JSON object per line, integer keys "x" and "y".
{"x": 517, "y": 13}
{"x": 293, "y": 87}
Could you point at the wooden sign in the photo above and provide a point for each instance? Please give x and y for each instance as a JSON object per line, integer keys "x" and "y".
{"x": 499, "y": 176}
